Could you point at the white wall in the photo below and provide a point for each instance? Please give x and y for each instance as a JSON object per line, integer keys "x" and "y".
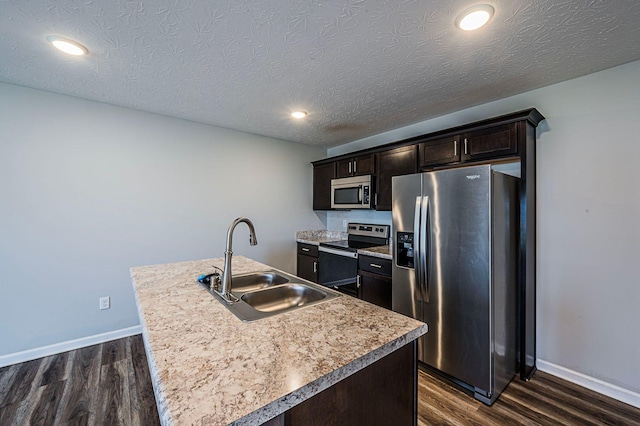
{"x": 588, "y": 289}
{"x": 88, "y": 190}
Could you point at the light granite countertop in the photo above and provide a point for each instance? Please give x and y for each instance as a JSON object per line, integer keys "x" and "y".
{"x": 384, "y": 252}
{"x": 317, "y": 237}
{"x": 208, "y": 367}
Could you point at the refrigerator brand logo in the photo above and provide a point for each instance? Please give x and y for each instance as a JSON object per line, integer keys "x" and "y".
{"x": 472, "y": 177}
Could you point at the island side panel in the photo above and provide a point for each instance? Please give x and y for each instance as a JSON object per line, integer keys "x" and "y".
{"x": 383, "y": 393}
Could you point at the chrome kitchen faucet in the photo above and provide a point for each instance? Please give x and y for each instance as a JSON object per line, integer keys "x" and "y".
{"x": 225, "y": 291}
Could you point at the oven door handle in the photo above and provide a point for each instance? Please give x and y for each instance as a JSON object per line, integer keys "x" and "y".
{"x": 344, "y": 253}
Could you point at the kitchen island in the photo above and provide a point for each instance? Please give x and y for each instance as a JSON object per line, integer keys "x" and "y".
{"x": 208, "y": 367}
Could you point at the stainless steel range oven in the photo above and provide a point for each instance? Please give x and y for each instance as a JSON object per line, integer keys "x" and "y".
{"x": 338, "y": 260}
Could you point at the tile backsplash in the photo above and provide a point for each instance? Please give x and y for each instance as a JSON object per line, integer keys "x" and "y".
{"x": 335, "y": 219}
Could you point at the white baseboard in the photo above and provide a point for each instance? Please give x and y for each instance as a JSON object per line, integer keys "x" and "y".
{"x": 69, "y": 345}
{"x": 597, "y": 385}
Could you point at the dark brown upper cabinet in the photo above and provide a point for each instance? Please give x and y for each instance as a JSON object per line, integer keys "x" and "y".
{"x": 439, "y": 151}
{"x": 493, "y": 142}
{"x": 322, "y": 175}
{"x": 394, "y": 162}
{"x": 356, "y": 166}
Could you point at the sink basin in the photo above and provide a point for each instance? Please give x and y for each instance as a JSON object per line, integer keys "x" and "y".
{"x": 282, "y": 297}
{"x": 243, "y": 283}
{"x": 263, "y": 294}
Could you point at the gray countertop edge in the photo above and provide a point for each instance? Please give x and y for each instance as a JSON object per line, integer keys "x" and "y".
{"x": 283, "y": 404}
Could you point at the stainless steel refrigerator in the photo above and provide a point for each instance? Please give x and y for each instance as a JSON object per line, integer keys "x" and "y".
{"x": 455, "y": 235}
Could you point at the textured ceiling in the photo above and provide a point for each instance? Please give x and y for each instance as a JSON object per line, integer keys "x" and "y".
{"x": 359, "y": 67}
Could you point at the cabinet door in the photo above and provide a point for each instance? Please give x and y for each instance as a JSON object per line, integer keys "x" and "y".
{"x": 307, "y": 268}
{"x": 395, "y": 162}
{"x": 358, "y": 166}
{"x": 344, "y": 168}
{"x": 439, "y": 151}
{"x": 364, "y": 165}
{"x": 497, "y": 141}
{"x": 375, "y": 289}
{"x": 322, "y": 175}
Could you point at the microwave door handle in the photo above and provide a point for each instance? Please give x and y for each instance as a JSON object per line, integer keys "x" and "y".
{"x": 360, "y": 194}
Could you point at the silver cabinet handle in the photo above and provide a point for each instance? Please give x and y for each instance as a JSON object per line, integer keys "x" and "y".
{"x": 305, "y": 249}
{"x": 375, "y": 265}
{"x": 358, "y": 281}
{"x": 455, "y": 148}
{"x": 465, "y": 146}
{"x": 376, "y": 199}
{"x": 354, "y": 166}
{"x": 337, "y": 252}
{"x": 315, "y": 266}
{"x": 349, "y": 166}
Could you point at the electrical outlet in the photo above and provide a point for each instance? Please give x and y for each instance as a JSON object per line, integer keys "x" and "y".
{"x": 344, "y": 223}
{"x": 105, "y": 303}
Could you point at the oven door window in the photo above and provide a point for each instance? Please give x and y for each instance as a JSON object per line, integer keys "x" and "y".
{"x": 336, "y": 270}
{"x": 350, "y": 195}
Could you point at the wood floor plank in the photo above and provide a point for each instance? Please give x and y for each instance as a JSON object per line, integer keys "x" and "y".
{"x": 608, "y": 410}
{"x": 9, "y": 413}
{"x": 44, "y": 412}
{"x": 537, "y": 402}
{"x": 78, "y": 399}
{"x": 147, "y": 411}
{"x": 6, "y": 377}
{"x": 22, "y": 382}
{"x": 55, "y": 369}
{"x": 113, "y": 351}
{"x": 134, "y": 401}
{"x": 439, "y": 402}
{"x": 113, "y": 404}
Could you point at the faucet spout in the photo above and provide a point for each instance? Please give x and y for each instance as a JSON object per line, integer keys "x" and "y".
{"x": 225, "y": 291}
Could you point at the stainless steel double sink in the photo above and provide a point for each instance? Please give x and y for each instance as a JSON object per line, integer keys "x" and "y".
{"x": 263, "y": 294}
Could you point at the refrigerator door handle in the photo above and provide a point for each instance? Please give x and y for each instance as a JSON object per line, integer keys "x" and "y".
{"x": 424, "y": 249}
{"x": 417, "y": 231}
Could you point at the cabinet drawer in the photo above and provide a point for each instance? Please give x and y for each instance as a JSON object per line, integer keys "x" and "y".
{"x": 308, "y": 249}
{"x": 375, "y": 265}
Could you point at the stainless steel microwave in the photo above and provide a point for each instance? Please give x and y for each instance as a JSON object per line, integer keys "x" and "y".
{"x": 351, "y": 193}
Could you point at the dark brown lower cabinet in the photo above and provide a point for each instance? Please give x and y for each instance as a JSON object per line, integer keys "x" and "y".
{"x": 307, "y": 262}
{"x": 384, "y": 393}
{"x": 374, "y": 279}
{"x": 308, "y": 268}
{"x": 376, "y": 289}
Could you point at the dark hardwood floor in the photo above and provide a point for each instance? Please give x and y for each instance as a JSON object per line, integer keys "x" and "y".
{"x": 109, "y": 384}
{"x": 106, "y": 384}
{"x": 544, "y": 400}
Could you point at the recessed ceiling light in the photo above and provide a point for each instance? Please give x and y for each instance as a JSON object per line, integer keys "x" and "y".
{"x": 299, "y": 114}
{"x": 67, "y": 46}
{"x": 474, "y": 17}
